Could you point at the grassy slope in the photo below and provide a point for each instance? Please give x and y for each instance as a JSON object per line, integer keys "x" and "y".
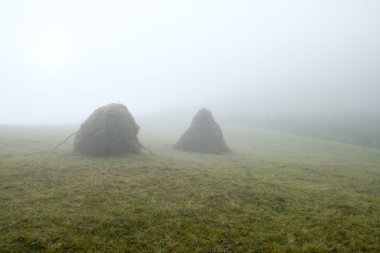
{"x": 277, "y": 192}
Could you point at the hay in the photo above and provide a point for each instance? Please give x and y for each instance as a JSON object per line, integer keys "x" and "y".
{"x": 110, "y": 130}
{"x": 204, "y": 135}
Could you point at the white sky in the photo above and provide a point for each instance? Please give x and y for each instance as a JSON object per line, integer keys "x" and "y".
{"x": 60, "y": 60}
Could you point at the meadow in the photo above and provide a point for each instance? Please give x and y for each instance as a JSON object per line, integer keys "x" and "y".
{"x": 274, "y": 193}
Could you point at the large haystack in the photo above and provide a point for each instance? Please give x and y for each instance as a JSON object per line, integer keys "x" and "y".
{"x": 204, "y": 135}
{"x": 110, "y": 130}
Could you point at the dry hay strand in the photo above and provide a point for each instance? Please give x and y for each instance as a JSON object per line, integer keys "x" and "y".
{"x": 110, "y": 130}
{"x": 204, "y": 135}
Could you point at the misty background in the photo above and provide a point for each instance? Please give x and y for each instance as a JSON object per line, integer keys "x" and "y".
{"x": 300, "y": 66}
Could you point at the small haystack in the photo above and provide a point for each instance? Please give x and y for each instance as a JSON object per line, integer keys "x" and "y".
{"x": 110, "y": 130}
{"x": 204, "y": 135}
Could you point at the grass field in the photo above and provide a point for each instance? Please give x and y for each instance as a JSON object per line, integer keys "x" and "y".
{"x": 274, "y": 193}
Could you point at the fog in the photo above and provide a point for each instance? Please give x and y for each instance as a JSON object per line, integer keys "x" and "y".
{"x": 60, "y": 60}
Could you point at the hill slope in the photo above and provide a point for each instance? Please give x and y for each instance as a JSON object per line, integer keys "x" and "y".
{"x": 276, "y": 192}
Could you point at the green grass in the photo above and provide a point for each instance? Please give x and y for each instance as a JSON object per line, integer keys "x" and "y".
{"x": 275, "y": 193}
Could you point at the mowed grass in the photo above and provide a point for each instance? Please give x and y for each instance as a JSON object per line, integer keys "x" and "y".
{"x": 274, "y": 193}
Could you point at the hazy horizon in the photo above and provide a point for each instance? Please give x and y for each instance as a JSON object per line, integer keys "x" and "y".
{"x": 59, "y": 61}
